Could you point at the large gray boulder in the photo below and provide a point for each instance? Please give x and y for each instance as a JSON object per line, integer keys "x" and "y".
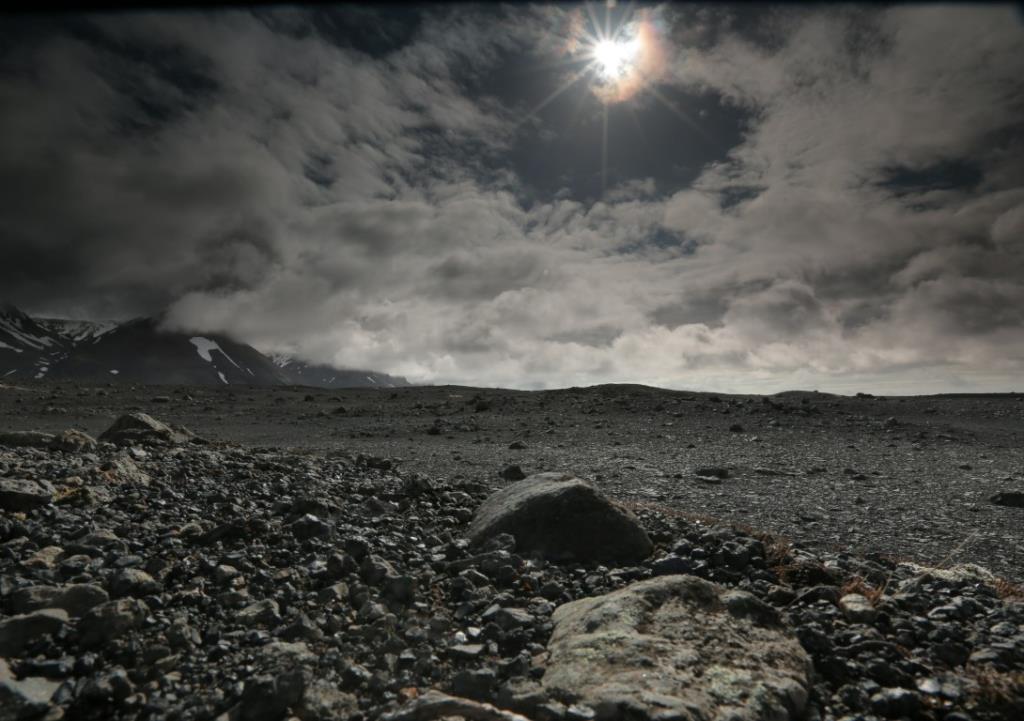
{"x": 561, "y": 517}
{"x": 677, "y": 647}
{"x": 142, "y": 428}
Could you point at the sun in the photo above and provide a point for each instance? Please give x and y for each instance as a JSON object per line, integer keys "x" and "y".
{"x": 613, "y": 57}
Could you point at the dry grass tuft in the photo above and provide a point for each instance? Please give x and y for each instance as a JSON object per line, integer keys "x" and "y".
{"x": 1008, "y": 591}
{"x": 857, "y": 584}
{"x": 1001, "y": 691}
{"x": 776, "y": 549}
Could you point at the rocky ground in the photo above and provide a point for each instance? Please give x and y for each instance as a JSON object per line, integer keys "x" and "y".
{"x": 908, "y": 477}
{"x": 308, "y": 554}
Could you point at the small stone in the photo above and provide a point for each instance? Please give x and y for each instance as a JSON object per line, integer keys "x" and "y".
{"x": 44, "y": 557}
{"x": 76, "y": 599}
{"x": 400, "y": 588}
{"x": 310, "y": 526}
{"x": 134, "y": 582}
{"x": 516, "y": 446}
{"x": 340, "y": 565}
{"x": 224, "y": 574}
{"x": 375, "y": 569}
{"x": 269, "y": 697}
{"x": 111, "y": 620}
{"x": 711, "y": 474}
{"x": 323, "y": 701}
{"x": 17, "y": 632}
{"x": 28, "y": 698}
{"x": 20, "y": 495}
{"x": 335, "y": 592}
{"x": 507, "y": 618}
{"x": 895, "y": 702}
{"x": 857, "y": 608}
{"x": 73, "y": 441}
{"x": 1014, "y": 499}
{"x": 513, "y": 473}
{"x": 466, "y": 651}
{"x": 26, "y": 439}
{"x": 477, "y": 684}
{"x": 261, "y": 613}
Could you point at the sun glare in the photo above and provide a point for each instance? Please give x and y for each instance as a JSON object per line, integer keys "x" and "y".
{"x": 613, "y": 57}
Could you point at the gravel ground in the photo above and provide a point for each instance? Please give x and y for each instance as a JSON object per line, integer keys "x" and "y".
{"x": 908, "y": 477}
{"x": 207, "y": 580}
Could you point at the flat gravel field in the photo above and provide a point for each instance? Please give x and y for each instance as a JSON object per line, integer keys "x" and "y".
{"x": 911, "y": 478}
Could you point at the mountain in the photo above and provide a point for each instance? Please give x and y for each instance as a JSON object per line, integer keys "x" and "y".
{"x": 139, "y": 351}
{"x": 78, "y": 331}
{"x": 27, "y": 348}
{"x": 300, "y": 373}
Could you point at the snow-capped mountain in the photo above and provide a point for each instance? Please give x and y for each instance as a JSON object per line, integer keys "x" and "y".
{"x": 139, "y": 351}
{"x": 323, "y": 376}
{"x": 78, "y": 331}
{"x": 27, "y": 348}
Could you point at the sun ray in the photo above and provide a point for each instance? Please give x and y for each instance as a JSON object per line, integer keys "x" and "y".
{"x": 556, "y": 93}
{"x": 604, "y": 151}
{"x": 678, "y": 112}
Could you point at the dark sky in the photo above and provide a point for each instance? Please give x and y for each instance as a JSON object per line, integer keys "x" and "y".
{"x": 753, "y": 198}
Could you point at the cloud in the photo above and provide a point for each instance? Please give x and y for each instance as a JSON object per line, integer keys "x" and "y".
{"x": 263, "y": 176}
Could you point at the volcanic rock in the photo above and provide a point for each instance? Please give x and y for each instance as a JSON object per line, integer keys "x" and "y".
{"x": 20, "y": 495}
{"x": 76, "y": 599}
{"x": 561, "y": 517}
{"x": 73, "y": 441}
{"x": 111, "y": 620}
{"x": 24, "y": 699}
{"x": 1014, "y": 499}
{"x": 17, "y": 632}
{"x": 677, "y": 647}
{"x": 141, "y": 428}
{"x": 28, "y": 439}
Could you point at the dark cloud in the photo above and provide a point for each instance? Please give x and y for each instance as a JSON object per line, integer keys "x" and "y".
{"x": 824, "y": 197}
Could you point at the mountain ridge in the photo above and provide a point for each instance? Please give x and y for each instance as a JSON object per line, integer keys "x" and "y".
{"x": 141, "y": 351}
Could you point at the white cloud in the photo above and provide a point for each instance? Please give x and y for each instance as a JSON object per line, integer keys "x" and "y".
{"x": 359, "y": 211}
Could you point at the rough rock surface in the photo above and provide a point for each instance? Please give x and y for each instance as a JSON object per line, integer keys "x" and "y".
{"x": 143, "y": 428}
{"x": 20, "y": 495}
{"x": 28, "y": 439}
{"x": 561, "y": 517}
{"x": 677, "y": 647}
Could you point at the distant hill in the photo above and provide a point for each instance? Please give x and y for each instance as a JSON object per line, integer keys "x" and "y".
{"x": 139, "y": 351}
{"x": 324, "y": 376}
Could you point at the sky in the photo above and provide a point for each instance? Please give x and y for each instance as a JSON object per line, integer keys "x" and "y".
{"x": 745, "y": 198}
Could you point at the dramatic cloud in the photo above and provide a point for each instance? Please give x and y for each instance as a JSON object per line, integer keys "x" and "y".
{"x": 822, "y": 197}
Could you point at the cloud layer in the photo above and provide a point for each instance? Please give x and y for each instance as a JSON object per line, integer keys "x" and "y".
{"x": 267, "y": 176}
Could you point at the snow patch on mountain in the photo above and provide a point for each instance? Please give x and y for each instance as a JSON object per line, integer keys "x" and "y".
{"x": 78, "y": 331}
{"x": 205, "y": 345}
{"x": 14, "y": 327}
